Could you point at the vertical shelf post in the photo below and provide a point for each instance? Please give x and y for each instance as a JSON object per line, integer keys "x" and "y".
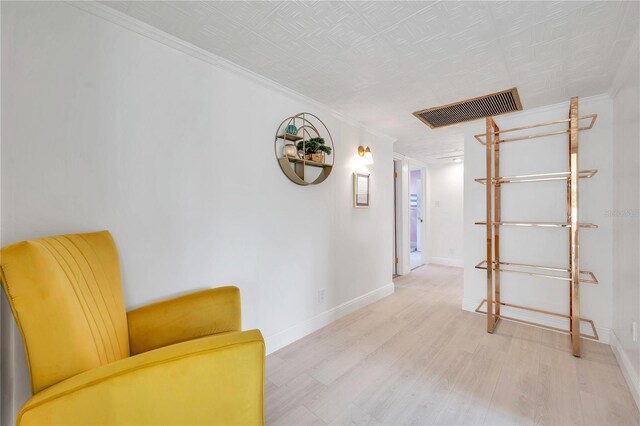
{"x": 496, "y": 215}
{"x": 299, "y": 169}
{"x": 491, "y": 322}
{"x": 574, "y": 236}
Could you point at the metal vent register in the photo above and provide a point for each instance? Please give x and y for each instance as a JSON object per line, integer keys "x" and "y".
{"x": 471, "y": 109}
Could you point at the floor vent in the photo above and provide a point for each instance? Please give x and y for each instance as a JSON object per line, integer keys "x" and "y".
{"x": 471, "y": 109}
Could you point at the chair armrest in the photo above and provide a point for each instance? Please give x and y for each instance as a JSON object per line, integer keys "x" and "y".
{"x": 183, "y": 318}
{"x": 213, "y": 380}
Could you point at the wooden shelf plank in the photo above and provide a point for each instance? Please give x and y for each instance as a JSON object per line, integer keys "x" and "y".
{"x": 290, "y": 137}
{"x": 307, "y": 162}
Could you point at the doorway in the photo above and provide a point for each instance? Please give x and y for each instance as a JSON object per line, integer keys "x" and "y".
{"x": 416, "y": 217}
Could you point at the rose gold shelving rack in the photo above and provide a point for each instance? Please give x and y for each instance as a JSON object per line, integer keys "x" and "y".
{"x": 492, "y": 140}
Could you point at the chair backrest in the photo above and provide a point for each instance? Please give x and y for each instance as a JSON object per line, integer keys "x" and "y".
{"x": 66, "y": 297}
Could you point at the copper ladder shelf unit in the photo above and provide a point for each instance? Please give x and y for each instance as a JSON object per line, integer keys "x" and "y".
{"x": 492, "y": 140}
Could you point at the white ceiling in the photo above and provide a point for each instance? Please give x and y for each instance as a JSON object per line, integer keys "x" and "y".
{"x": 379, "y": 61}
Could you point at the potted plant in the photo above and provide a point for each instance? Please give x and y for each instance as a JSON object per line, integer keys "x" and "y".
{"x": 314, "y": 149}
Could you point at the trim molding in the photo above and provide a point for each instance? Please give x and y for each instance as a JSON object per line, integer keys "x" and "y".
{"x": 447, "y": 262}
{"x": 604, "y": 333}
{"x": 413, "y": 162}
{"x": 629, "y": 373}
{"x": 300, "y": 330}
{"x": 398, "y": 156}
{"x": 125, "y": 21}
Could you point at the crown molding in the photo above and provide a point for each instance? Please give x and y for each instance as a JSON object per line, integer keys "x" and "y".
{"x": 132, "y": 24}
{"x": 398, "y": 156}
{"x": 411, "y": 161}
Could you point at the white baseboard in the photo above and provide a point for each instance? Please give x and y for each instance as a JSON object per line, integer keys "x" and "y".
{"x": 446, "y": 261}
{"x": 298, "y": 331}
{"x": 603, "y": 333}
{"x": 628, "y": 371}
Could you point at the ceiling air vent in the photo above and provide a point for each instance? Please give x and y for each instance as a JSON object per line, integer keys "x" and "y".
{"x": 471, "y": 109}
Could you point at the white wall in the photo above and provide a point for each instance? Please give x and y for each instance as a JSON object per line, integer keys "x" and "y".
{"x": 104, "y": 128}
{"x": 626, "y": 216}
{"x": 445, "y": 218}
{"x": 545, "y": 201}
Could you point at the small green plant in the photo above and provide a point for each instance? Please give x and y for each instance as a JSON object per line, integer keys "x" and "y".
{"x": 313, "y": 146}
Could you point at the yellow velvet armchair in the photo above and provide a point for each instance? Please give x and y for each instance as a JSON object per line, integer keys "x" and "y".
{"x": 180, "y": 361}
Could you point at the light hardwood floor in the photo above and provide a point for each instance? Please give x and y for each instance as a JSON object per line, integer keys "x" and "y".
{"x": 416, "y": 358}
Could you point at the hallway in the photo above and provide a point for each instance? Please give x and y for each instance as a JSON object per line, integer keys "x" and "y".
{"x": 416, "y": 358}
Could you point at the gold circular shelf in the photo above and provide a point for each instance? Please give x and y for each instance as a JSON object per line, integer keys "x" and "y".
{"x": 299, "y": 170}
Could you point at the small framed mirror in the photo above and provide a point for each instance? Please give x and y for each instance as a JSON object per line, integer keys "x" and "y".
{"x": 361, "y": 187}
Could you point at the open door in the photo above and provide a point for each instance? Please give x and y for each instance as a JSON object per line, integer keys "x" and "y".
{"x": 416, "y": 217}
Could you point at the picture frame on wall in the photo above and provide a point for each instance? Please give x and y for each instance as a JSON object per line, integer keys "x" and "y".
{"x": 361, "y": 190}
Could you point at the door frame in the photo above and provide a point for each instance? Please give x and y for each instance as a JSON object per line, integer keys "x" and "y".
{"x": 397, "y": 211}
{"x": 403, "y": 237}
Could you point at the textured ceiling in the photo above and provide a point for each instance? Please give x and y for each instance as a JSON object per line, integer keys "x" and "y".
{"x": 379, "y": 61}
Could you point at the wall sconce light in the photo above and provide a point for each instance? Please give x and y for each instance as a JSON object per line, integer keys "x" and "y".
{"x": 366, "y": 155}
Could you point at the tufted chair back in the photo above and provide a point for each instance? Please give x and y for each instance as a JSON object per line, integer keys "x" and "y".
{"x": 66, "y": 297}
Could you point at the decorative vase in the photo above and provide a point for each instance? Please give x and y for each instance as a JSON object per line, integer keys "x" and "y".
{"x": 290, "y": 150}
{"x": 292, "y": 129}
{"x": 318, "y": 157}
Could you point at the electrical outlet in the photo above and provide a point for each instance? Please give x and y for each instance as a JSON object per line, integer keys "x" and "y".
{"x": 321, "y": 295}
{"x": 634, "y": 331}
{"x": 437, "y": 203}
